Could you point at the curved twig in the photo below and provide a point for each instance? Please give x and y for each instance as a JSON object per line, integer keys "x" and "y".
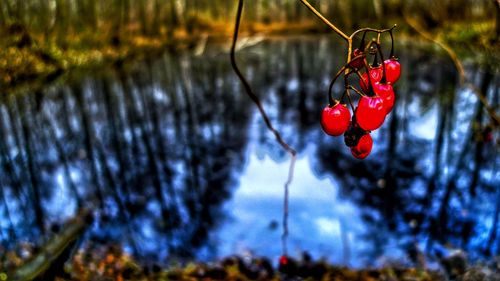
{"x": 269, "y": 125}
{"x": 458, "y": 65}
{"x": 368, "y": 29}
{"x": 327, "y": 22}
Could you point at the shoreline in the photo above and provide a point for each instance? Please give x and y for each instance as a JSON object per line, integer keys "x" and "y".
{"x": 33, "y": 65}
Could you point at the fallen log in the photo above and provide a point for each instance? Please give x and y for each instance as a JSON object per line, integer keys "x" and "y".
{"x": 47, "y": 263}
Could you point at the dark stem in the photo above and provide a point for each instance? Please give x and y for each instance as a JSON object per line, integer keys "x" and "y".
{"x": 342, "y": 70}
{"x": 379, "y": 48}
{"x": 375, "y": 60}
{"x": 350, "y": 100}
{"x": 392, "y": 45}
{"x": 356, "y": 90}
{"x": 367, "y": 67}
{"x": 367, "y": 29}
{"x": 362, "y": 43}
{"x": 268, "y": 123}
{"x": 497, "y": 27}
{"x": 331, "y": 100}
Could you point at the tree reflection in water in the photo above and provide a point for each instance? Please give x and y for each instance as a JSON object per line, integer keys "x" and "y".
{"x": 158, "y": 148}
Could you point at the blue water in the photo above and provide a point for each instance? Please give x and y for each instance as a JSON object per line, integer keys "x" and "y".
{"x": 177, "y": 163}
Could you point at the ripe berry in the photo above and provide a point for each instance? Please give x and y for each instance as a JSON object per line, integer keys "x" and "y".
{"x": 376, "y": 74}
{"x": 283, "y": 260}
{"x": 335, "y": 120}
{"x": 363, "y": 148}
{"x": 386, "y": 92}
{"x": 357, "y": 63}
{"x": 370, "y": 113}
{"x": 353, "y": 134}
{"x": 392, "y": 70}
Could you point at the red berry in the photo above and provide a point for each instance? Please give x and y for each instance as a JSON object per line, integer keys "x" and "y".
{"x": 386, "y": 92}
{"x": 283, "y": 260}
{"x": 370, "y": 113}
{"x": 392, "y": 70}
{"x": 363, "y": 148}
{"x": 357, "y": 63}
{"x": 363, "y": 82}
{"x": 336, "y": 119}
{"x": 487, "y": 135}
{"x": 376, "y": 74}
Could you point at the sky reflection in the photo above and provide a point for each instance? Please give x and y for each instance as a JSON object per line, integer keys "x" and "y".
{"x": 176, "y": 163}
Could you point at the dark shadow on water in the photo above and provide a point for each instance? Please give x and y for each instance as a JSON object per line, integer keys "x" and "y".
{"x": 158, "y": 151}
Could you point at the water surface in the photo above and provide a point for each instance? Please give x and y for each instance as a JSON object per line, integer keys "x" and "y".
{"x": 177, "y": 163}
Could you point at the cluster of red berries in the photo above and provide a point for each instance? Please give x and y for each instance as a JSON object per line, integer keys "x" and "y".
{"x": 376, "y": 100}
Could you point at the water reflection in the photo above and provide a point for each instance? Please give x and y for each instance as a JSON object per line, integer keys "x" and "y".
{"x": 174, "y": 159}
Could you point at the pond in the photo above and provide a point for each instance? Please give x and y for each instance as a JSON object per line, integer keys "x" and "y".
{"x": 177, "y": 164}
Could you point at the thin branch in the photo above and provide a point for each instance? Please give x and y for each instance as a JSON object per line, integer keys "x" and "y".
{"x": 340, "y": 32}
{"x": 356, "y": 90}
{"x": 413, "y": 23}
{"x": 458, "y": 65}
{"x": 368, "y": 29}
{"x": 284, "y": 236}
{"x": 327, "y": 22}
{"x": 269, "y": 125}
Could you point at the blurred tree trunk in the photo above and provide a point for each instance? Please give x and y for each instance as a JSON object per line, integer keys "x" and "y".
{"x": 9, "y": 164}
{"x": 497, "y": 29}
{"x": 44, "y": 17}
{"x": 143, "y": 17}
{"x": 494, "y": 227}
{"x": 32, "y": 167}
{"x": 88, "y": 142}
{"x": 80, "y": 10}
{"x": 62, "y": 158}
{"x": 87, "y": 14}
{"x": 118, "y": 12}
{"x": 174, "y": 17}
{"x": 92, "y": 10}
{"x": 156, "y": 118}
{"x": 20, "y": 12}
{"x": 288, "y": 8}
{"x": 117, "y": 140}
{"x": 343, "y": 13}
{"x": 478, "y": 152}
{"x": 214, "y": 11}
{"x": 126, "y": 13}
{"x": 12, "y": 230}
{"x": 157, "y": 11}
{"x": 4, "y": 13}
{"x": 378, "y": 8}
{"x": 61, "y": 19}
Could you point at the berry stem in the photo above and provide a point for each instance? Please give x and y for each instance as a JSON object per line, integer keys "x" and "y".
{"x": 346, "y": 68}
{"x": 392, "y": 44}
{"x": 367, "y": 29}
{"x": 269, "y": 125}
{"x": 367, "y": 67}
{"x": 331, "y": 100}
{"x": 247, "y": 87}
{"x": 356, "y": 90}
{"x": 326, "y": 21}
{"x": 375, "y": 60}
{"x": 362, "y": 43}
{"x": 342, "y": 97}
{"x": 350, "y": 100}
{"x": 379, "y": 49}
